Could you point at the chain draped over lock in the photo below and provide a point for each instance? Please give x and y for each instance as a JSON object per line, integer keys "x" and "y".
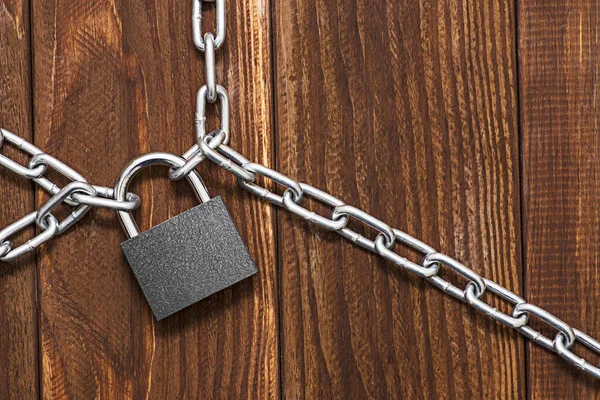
{"x": 214, "y": 146}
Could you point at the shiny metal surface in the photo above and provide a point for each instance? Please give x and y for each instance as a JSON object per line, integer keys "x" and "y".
{"x": 197, "y": 24}
{"x": 145, "y": 161}
{"x": 78, "y": 194}
{"x": 214, "y": 147}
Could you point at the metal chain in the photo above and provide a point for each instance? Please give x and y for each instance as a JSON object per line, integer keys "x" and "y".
{"x": 214, "y": 147}
{"x": 78, "y": 194}
{"x": 207, "y": 43}
{"x": 429, "y": 268}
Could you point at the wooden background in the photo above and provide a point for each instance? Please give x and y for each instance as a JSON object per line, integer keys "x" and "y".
{"x": 472, "y": 124}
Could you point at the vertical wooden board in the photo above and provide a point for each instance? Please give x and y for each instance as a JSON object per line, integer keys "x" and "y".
{"x": 408, "y": 110}
{"x": 115, "y": 79}
{"x": 18, "y": 315}
{"x": 559, "y": 46}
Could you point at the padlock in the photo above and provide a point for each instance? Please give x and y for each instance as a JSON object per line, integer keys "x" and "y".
{"x": 188, "y": 257}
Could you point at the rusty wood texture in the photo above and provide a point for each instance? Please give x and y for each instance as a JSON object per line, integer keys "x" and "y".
{"x": 559, "y": 46}
{"x": 115, "y": 79}
{"x": 408, "y": 110}
{"x": 18, "y": 312}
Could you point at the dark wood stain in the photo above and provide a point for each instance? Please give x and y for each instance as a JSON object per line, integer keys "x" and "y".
{"x": 412, "y": 111}
{"x": 409, "y": 111}
{"x": 115, "y": 79}
{"x": 559, "y": 46}
{"x": 18, "y": 313}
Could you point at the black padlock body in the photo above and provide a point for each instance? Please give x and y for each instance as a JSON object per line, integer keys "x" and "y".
{"x": 189, "y": 257}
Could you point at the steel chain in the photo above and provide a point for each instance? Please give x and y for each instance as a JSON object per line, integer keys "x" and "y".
{"x": 429, "y": 267}
{"x": 208, "y": 43}
{"x": 46, "y": 234}
{"x": 214, "y": 146}
{"x": 78, "y": 194}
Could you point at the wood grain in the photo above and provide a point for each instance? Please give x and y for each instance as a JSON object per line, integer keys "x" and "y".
{"x": 115, "y": 79}
{"x": 559, "y": 46}
{"x": 409, "y": 111}
{"x": 406, "y": 109}
{"x": 18, "y": 312}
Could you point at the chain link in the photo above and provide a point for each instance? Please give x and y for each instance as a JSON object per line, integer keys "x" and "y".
{"x": 563, "y": 328}
{"x": 58, "y": 199}
{"x": 209, "y": 66}
{"x": 78, "y": 194}
{"x": 30, "y": 245}
{"x": 208, "y": 43}
{"x": 402, "y": 262}
{"x": 28, "y": 148}
{"x": 214, "y": 146}
{"x": 563, "y": 351}
{"x": 197, "y": 24}
{"x": 309, "y": 191}
{"x": 429, "y": 267}
{"x": 206, "y": 148}
{"x": 492, "y": 312}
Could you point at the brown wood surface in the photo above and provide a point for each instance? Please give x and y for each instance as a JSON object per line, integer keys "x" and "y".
{"x": 559, "y": 47}
{"x": 18, "y": 312}
{"x": 470, "y": 124}
{"x": 408, "y": 111}
{"x": 115, "y": 79}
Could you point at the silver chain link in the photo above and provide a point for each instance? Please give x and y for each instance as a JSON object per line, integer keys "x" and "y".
{"x": 214, "y": 146}
{"x": 428, "y": 268}
{"x": 78, "y": 194}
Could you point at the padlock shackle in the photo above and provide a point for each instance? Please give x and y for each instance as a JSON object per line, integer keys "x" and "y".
{"x": 142, "y": 162}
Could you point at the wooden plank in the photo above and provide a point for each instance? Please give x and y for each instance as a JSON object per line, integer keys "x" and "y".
{"x": 558, "y": 46}
{"x": 408, "y": 110}
{"x": 115, "y": 79}
{"x": 18, "y": 313}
